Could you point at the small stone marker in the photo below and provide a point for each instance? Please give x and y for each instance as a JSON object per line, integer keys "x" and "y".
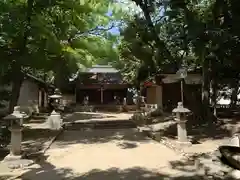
{"x": 55, "y": 121}
{"x": 235, "y": 141}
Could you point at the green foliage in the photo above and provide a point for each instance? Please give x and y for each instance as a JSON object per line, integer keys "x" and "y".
{"x": 70, "y": 33}
{"x": 189, "y": 30}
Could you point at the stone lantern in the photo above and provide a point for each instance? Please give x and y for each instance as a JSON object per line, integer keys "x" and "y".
{"x": 181, "y": 119}
{"x": 55, "y": 120}
{"x": 57, "y": 95}
{"x": 16, "y": 122}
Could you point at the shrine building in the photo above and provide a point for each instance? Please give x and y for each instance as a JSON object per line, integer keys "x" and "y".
{"x": 101, "y": 84}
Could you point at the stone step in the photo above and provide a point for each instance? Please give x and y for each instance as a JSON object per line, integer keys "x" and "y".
{"x": 94, "y": 108}
{"x": 113, "y": 124}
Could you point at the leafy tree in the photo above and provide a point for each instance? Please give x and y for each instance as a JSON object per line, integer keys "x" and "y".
{"x": 194, "y": 33}
{"x": 50, "y": 36}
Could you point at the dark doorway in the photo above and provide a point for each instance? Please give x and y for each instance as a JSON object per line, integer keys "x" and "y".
{"x": 171, "y": 95}
{"x": 94, "y": 96}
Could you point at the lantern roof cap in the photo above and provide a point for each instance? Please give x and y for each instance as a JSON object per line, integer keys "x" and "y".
{"x": 16, "y": 114}
{"x": 180, "y": 109}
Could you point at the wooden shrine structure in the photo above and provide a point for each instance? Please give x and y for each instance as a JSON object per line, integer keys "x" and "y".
{"x": 102, "y": 84}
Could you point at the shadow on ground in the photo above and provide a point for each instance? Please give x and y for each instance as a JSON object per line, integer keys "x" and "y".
{"x": 84, "y": 116}
{"x": 45, "y": 170}
{"x": 35, "y": 140}
{"x": 127, "y": 138}
{"x": 33, "y": 133}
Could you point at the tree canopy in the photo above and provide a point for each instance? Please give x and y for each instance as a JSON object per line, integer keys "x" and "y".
{"x": 57, "y": 35}
{"x": 191, "y": 34}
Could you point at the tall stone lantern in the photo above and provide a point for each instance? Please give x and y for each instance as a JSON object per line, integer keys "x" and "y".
{"x": 16, "y": 127}
{"x": 181, "y": 119}
{"x": 55, "y": 120}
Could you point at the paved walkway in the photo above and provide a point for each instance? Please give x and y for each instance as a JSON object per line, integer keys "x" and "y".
{"x": 106, "y": 155}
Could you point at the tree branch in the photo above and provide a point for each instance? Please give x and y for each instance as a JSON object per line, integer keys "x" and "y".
{"x": 143, "y": 4}
{"x": 95, "y": 31}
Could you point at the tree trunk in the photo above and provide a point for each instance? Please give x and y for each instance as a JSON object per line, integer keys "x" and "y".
{"x": 214, "y": 96}
{"x": 161, "y": 46}
{"x": 17, "y": 75}
{"x": 214, "y": 86}
{"x": 16, "y": 86}
{"x": 139, "y": 99}
{"x": 205, "y": 90}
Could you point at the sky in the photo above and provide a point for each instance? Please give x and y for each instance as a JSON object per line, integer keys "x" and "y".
{"x": 127, "y": 6}
{"x": 115, "y": 31}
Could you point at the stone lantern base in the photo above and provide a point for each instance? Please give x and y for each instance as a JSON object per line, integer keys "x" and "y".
{"x": 16, "y": 162}
{"x": 14, "y": 159}
{"x": 11, "y": 157}
{"x": 185, "y": 144}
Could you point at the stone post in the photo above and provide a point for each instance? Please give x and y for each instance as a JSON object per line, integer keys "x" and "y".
{"x": 181, "y": 112}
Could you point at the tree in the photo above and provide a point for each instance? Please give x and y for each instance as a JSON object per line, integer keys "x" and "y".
{"x": 194, "y": 33}
{"x": 49, "y": 35}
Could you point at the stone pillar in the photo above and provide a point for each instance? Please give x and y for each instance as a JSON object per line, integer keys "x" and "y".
{"x": 16, "y": 139}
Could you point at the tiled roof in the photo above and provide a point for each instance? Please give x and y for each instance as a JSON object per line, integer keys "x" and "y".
{"x": 102, "y": 69}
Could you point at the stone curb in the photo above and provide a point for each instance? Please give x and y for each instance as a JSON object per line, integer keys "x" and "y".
{"x": 42, "y": 152}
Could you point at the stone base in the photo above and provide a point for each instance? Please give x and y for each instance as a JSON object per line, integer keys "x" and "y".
{"x": 16, "y": 162}
{"x": 187, "y": 143}
{"x": 11, "y": 158}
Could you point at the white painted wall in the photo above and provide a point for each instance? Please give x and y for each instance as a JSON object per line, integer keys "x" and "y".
{"x": 28, "y": 93}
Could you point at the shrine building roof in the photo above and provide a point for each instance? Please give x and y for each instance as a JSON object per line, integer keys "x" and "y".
{"x": 101, "y": 69}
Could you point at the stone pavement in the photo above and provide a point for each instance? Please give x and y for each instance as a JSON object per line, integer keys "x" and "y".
{"x": 96, "y": 154}
{"x": 105, "y": 154}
